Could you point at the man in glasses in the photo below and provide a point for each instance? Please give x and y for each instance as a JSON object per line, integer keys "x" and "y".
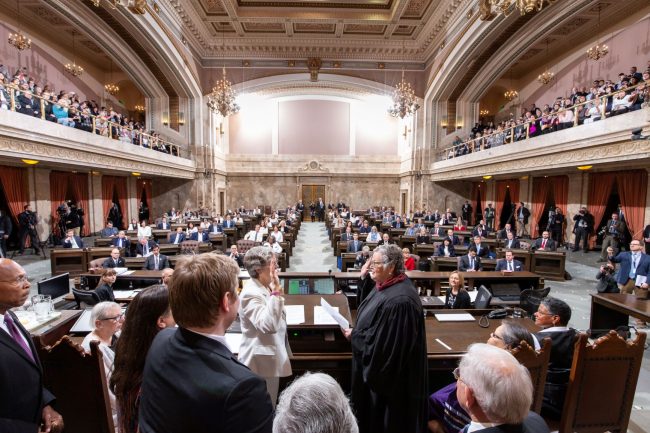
{"x": 24, "y": 403}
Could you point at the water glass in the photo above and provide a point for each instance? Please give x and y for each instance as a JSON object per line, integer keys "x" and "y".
{"x": 42, "y": 305}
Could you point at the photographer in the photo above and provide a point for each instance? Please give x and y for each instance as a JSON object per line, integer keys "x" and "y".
{"x": 555, "y": 224}
{"x": 72, "y": 220}
{"x": 613, "y": 231}
{"x": 584, "y": 225}
{"x": 5, "y": 230}
{"x": 606, "y": 280}
{"x": 27, "y": 227}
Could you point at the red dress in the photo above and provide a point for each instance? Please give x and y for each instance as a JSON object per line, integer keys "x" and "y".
{"x": 409, "y": 264}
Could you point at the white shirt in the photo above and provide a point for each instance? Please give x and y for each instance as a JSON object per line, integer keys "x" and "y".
{"x": 279, "y": 237}
{"x": 254, "y": 236}
{"x": 144, "y": 232}
{"x": 220, "y": 338}
{"x": 276, "y": 248}
{"x": 476, "y": 426}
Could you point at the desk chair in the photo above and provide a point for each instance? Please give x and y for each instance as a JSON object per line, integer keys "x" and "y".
{"x": 530, "y": 299}
{"x": 244, "y": 245}
{"x": 602, "y": 384}
{"x": 95, "y": 266}
{"x": 189, "y": 247}
{"x": 524, "y": 245}
{"x": 537, "y": 364}
{"x": 87, "y": 297}
{"x": 483, "y": 298}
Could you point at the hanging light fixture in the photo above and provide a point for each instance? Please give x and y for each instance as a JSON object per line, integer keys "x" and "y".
{"x": 111, "y": 88}
{"x": 484, "y": 112}
{"x": 404, "y": 100}
{"x": 598, "y": 51}
{"x": 222, "y": 98}
{"x": 72, "y": 68}
{"x": 504, "y": 7}
{"x": 139, "y": 108}
{"x": 547, "y": 76}
{"x": 18, "y": 40}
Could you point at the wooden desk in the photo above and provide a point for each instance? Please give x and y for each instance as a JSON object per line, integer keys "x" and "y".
{"x": 51, "y": 332}
{"x": 94, "y": 253}
{"x": 72, "y": 260}
{"x": 138, "y": 278}
{"x": 444, "y": 264}
{"x": 550, "y": 264}
{"x": 347, "y": 261}
{"x": 406, "y": 242}
{"x": 611, "y": 310}
{"x": 160, "y": 235}
{"x": 425, "y": 250}
{"x": 231, "y": 234}
{"x": 219, "y": 241}
{"x": 524, "y": 279}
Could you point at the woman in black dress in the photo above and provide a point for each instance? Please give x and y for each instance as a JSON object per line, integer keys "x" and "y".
{"x": 457, "y": 297}
{"x": 104, "y": 288}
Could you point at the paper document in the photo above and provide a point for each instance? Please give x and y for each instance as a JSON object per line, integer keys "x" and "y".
{"x": 121, "y": 271}
{"x": 328, "y": 315}
{"x": 122, "y": 294}
{"x": 295, "y": 314}
{"x": 455, "y": 317}
{"x": 641, "y": 279}
{"x": 127, "y": 273}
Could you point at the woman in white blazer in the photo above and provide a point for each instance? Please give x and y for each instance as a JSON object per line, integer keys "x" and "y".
{"x": 264, "y": 347}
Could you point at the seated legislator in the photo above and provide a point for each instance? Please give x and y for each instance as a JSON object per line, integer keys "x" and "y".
{"x": 144, "y": 230}
{"x": 460, "y": 225}
{"x": 365, "y": 228}
{"x": 121, "y": 241}
{"x": 133, "y": 225}
{"x": 553, "y": 316}
{"x": 482, "y": 250}
{"x": 194, "y": 360}
{"x": 385, "y": 240}
{"x": 545, "y": 243}
{"x": 215, "y": 227}
{"x": 455, "y": 240}
{"x": 228, "y": 223}
{"x": 163, "y": 224}
{"x": 457, "y": 297}
{"x": 236, "y": 256}
{"x": 109, "y": 231}
{"x": 156, "y": 261}
{"x": 149, "y": 313}
{"x": 423, "y": 237}
{"x": 25, "y": 404}
{"x": 355, "y": 245}
{"x": 437, "y": 231}
{"x": 503, "y": 234}
{"x": 445, "y": 413}
{"x": 256, "y": 235}
{"x": 496, "y": 391}
{"x": 470, "y": 262}
{"x": 373, "y": 236}
{"x": 362, "y": 257}
{"x": 411, "y": 230}
{"x": 409, "y": 262}
{"x": 104, "y": 289}
{"x": 446, "y": 249}
{"x": 178, "y": 237}
{"x": 144, "y": 247}
{"x": 511, "y": 242}
{"x": 273, "y": 244}
{"x": 200, "y": 236}
{"x": 480, "y": 230}
{"x": 347, "y": 235}
{"x": 314, "y": 402}
{"x": 277, "y": 234}
{"x": 114, "y": 261}
{"x": 72, "y": 241}
{"x": 509, "y": 264}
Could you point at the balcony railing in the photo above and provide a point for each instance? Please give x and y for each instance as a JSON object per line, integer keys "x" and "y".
{"x": 522, "y": 131}
{"x": 98, "y": 125}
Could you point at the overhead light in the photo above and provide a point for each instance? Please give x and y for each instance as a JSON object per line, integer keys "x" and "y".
{"x": 584, "y": 167}
{"x": 30, "y": 161}
{"x": 487, "y": 177}
{"x": 135, "y": 173}
{"x": 18, "y": 40}
{"x": 222, "y": 98}
{"x": 484, "y": 112}
{"x": 139, "y": 108}
{"x": 72, "y": 68}
{"x": 404, "y": 100}
{"x": 598, "y": 51}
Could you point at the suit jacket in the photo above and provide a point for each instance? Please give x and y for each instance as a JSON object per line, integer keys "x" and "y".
{"x": 502, "y": 234}
{"x": 126, "y": 243}
{"x": 140, "y": 250}
{"x": 533, "y": 423}
{"x": 166, "y": 227}
{"x": 150, "y": 263}
{"x": 201, "y": 237}
{"x": 239, "y": 259}
{"x": 22, "y": 395}
{"x": 441, "y": 251}
{"x": 483, "y": 232}
{"x": 618, "y": 225}
{"x": 525, "y": 213}
{"x": 438, "y": 233}
{"x": 483, "y": 252}
{"x": 77, "y": 239}
{"x": 514, "y": 244}
{"x": 625, "y": 260}
{"x": 222, "y": 394}
{"x": 172, "y": 237}
{"x": 265, "y": 346}
{"x": 110, "y": 263}
{"x": 353, "y": 249}
{"x": 550, "y": 244}
{"x": 463, "y": 266}
{"x": 227, "y": 224}
{"x": 213, "y": 226}
{"x": 502, "y": 265}
{"x": 346, "y": 237}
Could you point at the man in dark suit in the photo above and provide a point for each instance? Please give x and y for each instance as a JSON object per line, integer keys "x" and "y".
{"x": 156, "y": 261}
{"x": 320, "y": 210}
{"x": 480, "y": 229}
{"x": 236, "y": 256}
{"x": 355, "y": 245}
{"x": 163, "y": 225}
{"x": 114, "y": 261}
{"x": 193, "y": 359}
{"x": 178, "y": 237}
{"x": 545, "y": 243}
{"x": 466, "y": 212}
{"x": 5, "y": 231}
{"x": 144, "y": 247}
{"x": 503, "y": 234}
{"x": 27, "y": 227}
{"x": 632, "y": 263}
{"x": 72, "y": 241}
{"x": 482, "y": 250}
{"x": 347, "y": 236}
{"x": 584, "y": 225}
{"x": 511, "y": 242}
{"x": 25, "y": 405}
{"x": 470, "y": 262}
{"x": 398, "y": 224}
{"x": 489, "y": 214}
{"x": 521, "y": 216}
{"x": 215, "y": 227}
{"x": 496, "y": 406}
{"x": 509, "y": 264}
{"x": 437, "y": 231}
{"x": 200, "y": 236}
{"x": 121, "y": 241}
{"x": 228, "y": 223}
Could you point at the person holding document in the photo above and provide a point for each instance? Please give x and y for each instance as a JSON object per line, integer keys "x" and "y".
{"x": 389, "y": 353}
{"x": 264, "y": 346}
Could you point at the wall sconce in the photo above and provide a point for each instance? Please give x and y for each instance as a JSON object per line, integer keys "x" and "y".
{"x": 165, "y": 118}
{"x": 407, "y": 130}
{"x": 30, "y": 161}
{"x": 221, "y": 131}
{"x": 443, "y": 124}
{"x": 181, "y": 118}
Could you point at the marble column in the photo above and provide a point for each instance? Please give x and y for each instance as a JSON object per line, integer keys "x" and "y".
{"x": 39, "y": 198}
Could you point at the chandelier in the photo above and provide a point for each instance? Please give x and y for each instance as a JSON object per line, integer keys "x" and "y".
{"x": 546, "y": 77}
{"x": 222, "y": 98}
{"x": 510, "y": 95}
{"x": 18, "y": 40}
{"x": 523, "y": 6}
{"x": 139, "y": 108}
{"x": 598, "y": 51}
{"x": 404, "y": 100}
{"x": 484, "y": 112}
{"x": 72, "y": 68}
{"x": 111, "y": 88}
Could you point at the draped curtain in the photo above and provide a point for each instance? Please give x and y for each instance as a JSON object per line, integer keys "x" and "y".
{"x": 108, "y": 186}
{"x": 501, "y": 187}
{"x": 147, "y": 186}
{"x": 541, "y": 187}
{"x": 561, "y": 191}
{"x": 14, "y": 183}
{"x": 600, "y": 188}
{"x": 58, "y": 188}
{"x": 79, "y": 184}
{"x": 115, "y": 184}
{"x": 120, "y": 188}
{"x": 632, "y": 191}
{"x": 476, "y": 187}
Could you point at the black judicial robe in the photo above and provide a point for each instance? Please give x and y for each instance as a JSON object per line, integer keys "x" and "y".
{"x": 389, "y": 362}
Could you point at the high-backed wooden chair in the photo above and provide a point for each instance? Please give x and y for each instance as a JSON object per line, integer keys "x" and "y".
{"x": 189, "y": 246}
{"x": 524, "y": 245}
{"x": 244, "y": 245}
{"x": 417, "y": 261}
{"x": 537, "y": 364}
{"x": 602, "y": 384}
{"x": 78, "y": 381}
{"x": 95, "y": 266}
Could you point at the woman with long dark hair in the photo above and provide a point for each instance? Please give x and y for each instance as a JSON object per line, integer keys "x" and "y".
{"x": 147, "y": 314}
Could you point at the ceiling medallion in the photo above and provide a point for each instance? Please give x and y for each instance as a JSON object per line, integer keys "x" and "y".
{"x": 404, "y": 100}
{"x": 505, "y": 7}
{"x": 222, "y": 98}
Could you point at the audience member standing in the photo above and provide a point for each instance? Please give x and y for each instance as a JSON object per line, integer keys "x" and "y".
{"x": 27, "y": 228}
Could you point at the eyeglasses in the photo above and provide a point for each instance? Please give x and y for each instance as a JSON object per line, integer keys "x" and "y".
{"x": 18, "y": 280}
{"x": 377, "y": 263}
{"x": 493, "y": 335}
{"x": 545, "y": 314}
{"x": 116, "y": 318}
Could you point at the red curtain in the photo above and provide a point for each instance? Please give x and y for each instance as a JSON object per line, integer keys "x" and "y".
{"x": 147, "y": 186}
{"x": 600, "y": 187}
{"x": 501, "y": 187}
{"x": 14, "y": 183}
{"x": 561, "y": 191}
{"x": 80, "y": 188}
{"x": 122, "y": 195}
{"x": 632, "y": 187}
{"x": 476, "y": 205}
{"x": 116, "y": 184}
{"x": 108, "y": 186}
{"x": 541, "y": 186}
{"x": 58, "y": 189}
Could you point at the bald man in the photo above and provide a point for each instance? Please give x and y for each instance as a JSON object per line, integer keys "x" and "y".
{"x": 24, "y": 403}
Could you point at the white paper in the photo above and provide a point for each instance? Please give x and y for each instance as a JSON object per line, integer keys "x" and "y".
{"x": 233, "y": 341}
{"x": 243, "y": 274}
{"x": 128, "y": 273}
{"x": 122, "y": 294}
{"x": 640, "y": 279}
{"x": 121, "y": 271}
{"x": 455, "y": 317}
{"x": 328, "y": 315}
{"x": 295, "y": 314}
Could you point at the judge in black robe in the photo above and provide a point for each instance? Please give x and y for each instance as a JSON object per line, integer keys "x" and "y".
{"x": 389, "y": 357}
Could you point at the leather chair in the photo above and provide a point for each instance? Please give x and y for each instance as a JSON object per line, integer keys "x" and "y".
{"x": 524, "y": 245}
{"x": 95, "y": 266}
{"x": 483, "y": 298}
{"x": 537, "y": 364}
{"x": 530, "y": 299}
{"x": 78, "y": 380}
{"x": 602, "y": 383}
{"x": 244, "y": 245}
{"x": 189, "y": 247}
{"x": 87, "y": 297}
{"x": 417, "y": 261}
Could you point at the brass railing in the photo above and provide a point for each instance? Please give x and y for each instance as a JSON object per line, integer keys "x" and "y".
{"x": 112, "y": 129}
{"x": 474, "y": 144}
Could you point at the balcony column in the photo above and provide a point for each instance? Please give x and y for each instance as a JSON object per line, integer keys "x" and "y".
{"x": 39, "y": 198}
{"x": 95, "y": 204}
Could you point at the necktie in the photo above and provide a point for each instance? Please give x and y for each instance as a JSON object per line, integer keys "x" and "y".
{"x": 15, "y": 334}
{"x": 115, "y": 262}
{"x": 510, "y": 266}
{"x": 635, "y": 262}
{"x": 146, "y": 250}
{"x": 471, "y": 263}
{"x": 544, "y": 243}
{"x": 156, "y": 261}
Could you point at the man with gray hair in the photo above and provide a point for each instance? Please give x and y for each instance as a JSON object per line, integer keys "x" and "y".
{"x": 496, "y": 392}
{"x": 314, "y": 403}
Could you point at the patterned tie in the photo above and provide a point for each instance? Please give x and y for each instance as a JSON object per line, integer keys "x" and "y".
{"x": 544, "y": 243}
{"x": 15, "y": 334}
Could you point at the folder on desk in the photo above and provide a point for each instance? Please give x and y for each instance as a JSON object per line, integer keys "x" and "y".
{"x": 455, "y": 317}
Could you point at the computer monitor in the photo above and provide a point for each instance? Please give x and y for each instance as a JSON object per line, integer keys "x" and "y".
{"x": 324, "y": 286}
{"x": 55, "y": 286}
{"x": 299, "y": 286}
